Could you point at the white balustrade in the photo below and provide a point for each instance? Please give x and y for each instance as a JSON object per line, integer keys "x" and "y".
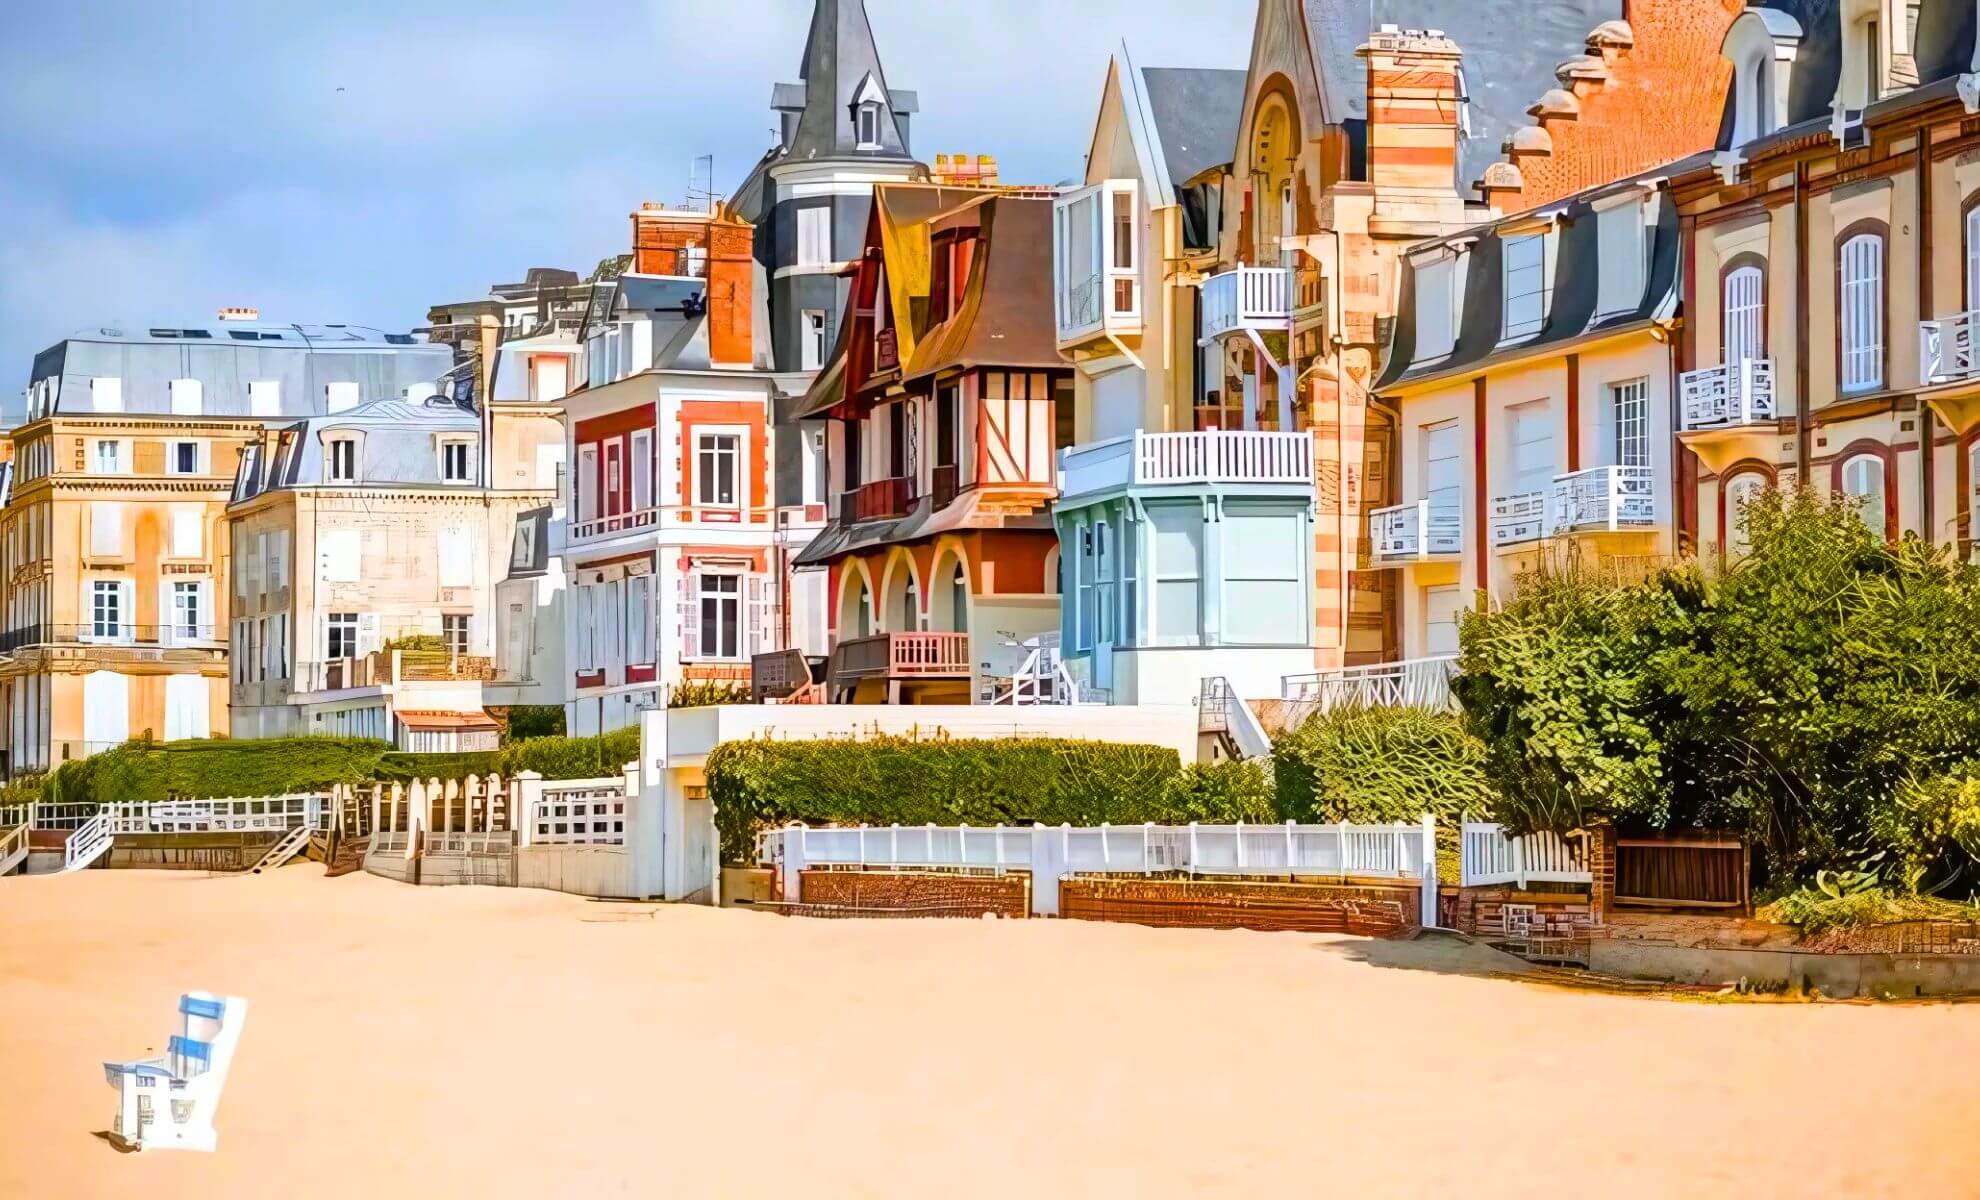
{"x": 1208, "y": 456}
{"x": 1413, "y": 683}
{"x": 1488, "y": 856}
{"x": 1409, "y": 532}
{"x": 1246, "y": 298}
{"x": 617, "y": 523}
{"x": 1602, "y": 498}
{"x": 256, "y": 814}
{"x": 1946, "y": 351}
{"x": 578, "y": 812}
{"x": 1521, "y": 518}
{"x": 1729, "y": 395}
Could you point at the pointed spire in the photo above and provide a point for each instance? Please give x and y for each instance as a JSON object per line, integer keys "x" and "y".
{"x": 842, "y": 108}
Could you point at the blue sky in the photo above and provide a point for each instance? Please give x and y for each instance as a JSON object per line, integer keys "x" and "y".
{"x": 159, "y": 161}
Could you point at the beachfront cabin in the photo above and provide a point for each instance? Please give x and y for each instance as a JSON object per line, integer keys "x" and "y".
{"x": 945, "y": 404}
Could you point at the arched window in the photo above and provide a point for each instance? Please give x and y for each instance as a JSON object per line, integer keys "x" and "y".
{"x": 911, "y": 606}
{"x": 1860, "y": 305}
{"x": 1973, "y": 258}
{"x": 864, "y": 625}
{"x": 1741, "y": 490}
{"x": 1863, "y": 481}
{"x": 1745, "y": 314}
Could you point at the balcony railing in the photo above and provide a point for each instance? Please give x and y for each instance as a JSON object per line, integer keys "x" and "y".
{"x": 617, "y": 523}
{"x": 1521, "y": 518}
{"x": 901, "y": 656}
{"x": 1413, "y": 683}
{"x": 111, "y": 633}
{"x": 1602, "y": 498}
{"x": 382, "y": 667}
{"x": 1247, "y": 298}
{"x": 883, "y": 498}
{"x": 1083, "y": 305}
{"x": 1728, "y": 396}
{"x": 944, "y": 483}
{"x": 1416, "y": 532}
{"x": 1946, "y": 352}
{"x": 1207, "y": 457}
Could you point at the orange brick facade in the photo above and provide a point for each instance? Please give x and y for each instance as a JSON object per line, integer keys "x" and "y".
{"x": 1370, "y": 910}
{"x": 922, "y": 893}
{"x": 1650, "y": 94}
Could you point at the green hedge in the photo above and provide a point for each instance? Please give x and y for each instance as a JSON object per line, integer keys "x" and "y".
{"x": 144, "y": 770}
{"x": 893, "y": 780}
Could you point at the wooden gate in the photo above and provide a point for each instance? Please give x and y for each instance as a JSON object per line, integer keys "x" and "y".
{"x": 1708, "y": 872}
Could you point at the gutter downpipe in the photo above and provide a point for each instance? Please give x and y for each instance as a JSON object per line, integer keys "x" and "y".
{"x": 1804, "y": 426}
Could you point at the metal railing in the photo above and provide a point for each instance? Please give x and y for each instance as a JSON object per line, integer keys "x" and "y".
{"x": 625, "y": 522}
{"x": 1246, "y": 297}
{"x": 1412, "y": 683}
{"x": 1488, "y": 856}
{"x": 1082, "y": 306}
{"x": 1728, "y": 395}
{"x": 1409, "y": 532}
{"x": 1946, "y": 351}
{"x": 1520, "y": 518}
{"x": 233, "y": 814}
{"x": 1611, "y": 498}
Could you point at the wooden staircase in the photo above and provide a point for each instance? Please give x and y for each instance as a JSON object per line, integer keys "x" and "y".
{"x": 13, "y": 847}
{"x": 288, "y": 847}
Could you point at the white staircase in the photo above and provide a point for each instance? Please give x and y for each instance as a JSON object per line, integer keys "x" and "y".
{"x": 291, "y": 845}
{"x": 88, "y": 843}
{"x": 13, "y": 847}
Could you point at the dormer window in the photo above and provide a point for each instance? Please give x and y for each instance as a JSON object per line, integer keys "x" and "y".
{"x": 1436, "y": 306}
{"x": 868, "y": 104}
{"x": 1619, "y": 228}
{"x": 456, "y": 460}
{"x": 1761, "y": 46}
{"x": 1525, "y": 266}
{"x": 340, "y": 460}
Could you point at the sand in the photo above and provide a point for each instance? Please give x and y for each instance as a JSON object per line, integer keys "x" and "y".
{"x": 491, "y": 1043}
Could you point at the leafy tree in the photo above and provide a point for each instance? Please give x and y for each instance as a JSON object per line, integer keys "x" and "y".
{"x": 1375, "y": 765}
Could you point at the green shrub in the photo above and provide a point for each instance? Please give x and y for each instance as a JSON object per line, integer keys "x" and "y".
{"x": 897, "y": 780}
{"x": 534, "y": 721}
{"x": 416, "y": 641}
{"x": 145, "y": 770}
{"x": 572, "y": 757}
{"x": 1220, "y": 793}
{"x": 1376, "y": 765}
{"x": 23, "y": 789}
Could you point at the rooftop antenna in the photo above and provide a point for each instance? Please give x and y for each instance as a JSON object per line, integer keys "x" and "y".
{"x": 701, "y": 184}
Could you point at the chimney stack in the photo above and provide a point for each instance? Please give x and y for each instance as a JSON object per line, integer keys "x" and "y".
{"x": 1413, "y": 104}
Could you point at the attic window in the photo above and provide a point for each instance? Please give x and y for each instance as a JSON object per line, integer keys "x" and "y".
{"x": 869, "y": 126}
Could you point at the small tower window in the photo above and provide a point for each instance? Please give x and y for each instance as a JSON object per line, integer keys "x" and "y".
{"x": 869, "y": 126}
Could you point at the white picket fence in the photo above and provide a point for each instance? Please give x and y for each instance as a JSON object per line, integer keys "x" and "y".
{"x": 1490, "y": 857}
{"x": 1052, "y": 852}
{"x": 256, "y": 814}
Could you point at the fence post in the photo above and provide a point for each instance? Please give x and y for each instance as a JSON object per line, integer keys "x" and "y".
{"x": 1519, "y": 861}
{"x": 1192, "y": 849}
{"x": 1147, "y": 836}
{"x": 1430, "y": 870}
{"x": 525, "y": 798}
{"x": 1290, "y": 865}
{"x": 1240, "y": 845}
{"x": 1106, "y": 855}
{"x": 792, "y": 867}
{"x": 1340, "y": 834}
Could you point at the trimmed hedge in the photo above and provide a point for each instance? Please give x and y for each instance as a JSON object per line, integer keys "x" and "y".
{"x": 893, "y": 780}
{"x": 218, "y": 767}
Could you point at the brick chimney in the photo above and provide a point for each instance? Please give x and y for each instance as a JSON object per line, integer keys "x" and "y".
{"x": 731, "y": 271}
{"x": 1412, "y": 109}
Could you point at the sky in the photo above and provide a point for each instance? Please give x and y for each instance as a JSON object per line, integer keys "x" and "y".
{"x": 362, "y": 161}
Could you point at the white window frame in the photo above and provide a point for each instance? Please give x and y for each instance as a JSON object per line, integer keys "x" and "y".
{"x": 703, "y": 454}
{"x": 110, "y": 609}
{"x": 703, "y": 596}
{"x": 184, "y": 630}
{"x": 867, "y": 120}
{"x": 640, "y": 453}
{"x": 1629, "y": 423}
{"x": 172, "y": 449}
{"x": 334, "y": 471}
{"x": 1436, "y": 296}
{"x": 1520, "y": 245}
{"x": 118, "y": 462}
{"x": 345, "y": 623}
{"x": 1860, "y": 282}
{"x": 811, "y": 338}
{"x": 1859, "y": 471}
{"x": 462, "y": 448}
{"x": 814, "y": 235}
{"x": 1743, "y": 315}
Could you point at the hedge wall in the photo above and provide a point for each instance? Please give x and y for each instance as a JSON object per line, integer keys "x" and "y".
{"x": 271, "y": 766}
{"x": 889, "y": 780}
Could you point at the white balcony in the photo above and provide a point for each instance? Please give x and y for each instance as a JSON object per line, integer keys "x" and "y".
{"x": 1728, "y": 396}
{"x": 1612, "y": 499}
{"x": 598, "y": 528}
{"x": 1946, "y": 352}
{"x": 1210, "y": 457}
{"x": 1254, "y": 298}
{"x": 1415, "y": 533}
{"x": 1521, "y": 518}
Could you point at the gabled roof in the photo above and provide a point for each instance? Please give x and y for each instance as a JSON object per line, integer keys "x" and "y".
{"x": 1510, "y": 49}
{"x": 840, "y": 61}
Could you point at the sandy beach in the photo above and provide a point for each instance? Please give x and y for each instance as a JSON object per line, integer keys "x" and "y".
{"x": 493, "y": 1043}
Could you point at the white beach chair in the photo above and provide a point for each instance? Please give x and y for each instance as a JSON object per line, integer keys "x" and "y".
{"x": 168, "y": 1103}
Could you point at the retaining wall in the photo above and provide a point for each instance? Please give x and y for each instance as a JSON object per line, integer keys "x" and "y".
{"x": 1842, "y": 976}
{"x": 216, "y": 851}
{"x": 929, "y": 893}
{"x": 1369, "y": 908}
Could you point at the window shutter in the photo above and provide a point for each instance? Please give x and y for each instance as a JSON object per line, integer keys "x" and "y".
{"x": 1973, "y": 259}
{"x": 759, "y": 616}
{"x": 690, "y": 616}
{"x": 106, "y": 528}
{"x": 367, "y": 633}
{"x": 1744, "y": 316}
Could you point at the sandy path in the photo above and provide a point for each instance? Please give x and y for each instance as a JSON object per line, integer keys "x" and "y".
{"x": 491, "y": 1043}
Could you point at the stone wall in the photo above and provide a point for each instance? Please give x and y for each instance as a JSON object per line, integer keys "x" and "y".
{"x": 1372, "y": 909}
{"x": 1481, "y": 910}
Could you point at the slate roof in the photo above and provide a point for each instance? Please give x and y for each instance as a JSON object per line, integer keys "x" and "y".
{"x": 839, "y": 55}
{"x": 1197, "y": 112}
{"x": 1575, "y": 284}
{"x": 399, "y": 447}
{"x": 1510, "y": 49}
{"x": 1005, "y": 316}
